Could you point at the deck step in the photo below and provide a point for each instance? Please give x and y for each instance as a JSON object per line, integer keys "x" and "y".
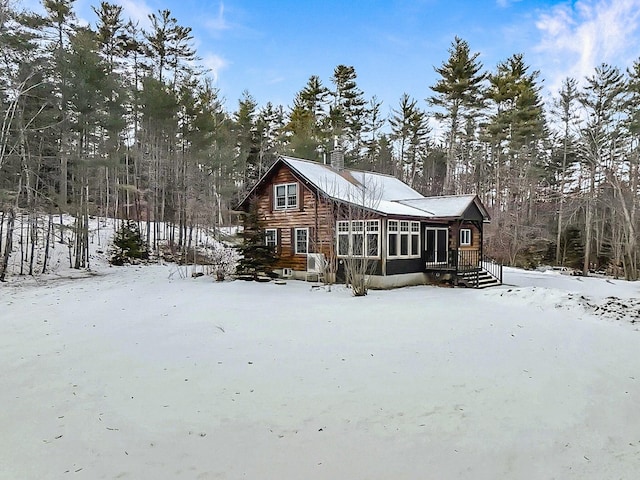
{"x": 484, "y": 278}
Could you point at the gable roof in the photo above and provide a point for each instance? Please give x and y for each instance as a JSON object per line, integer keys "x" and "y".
{"x": 382, "y": 193}
{"x": 447, "y": 206}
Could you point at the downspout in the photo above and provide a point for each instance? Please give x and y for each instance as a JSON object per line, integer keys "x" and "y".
{"x": 316, "y": 233}
{"x": 383, "y": 246}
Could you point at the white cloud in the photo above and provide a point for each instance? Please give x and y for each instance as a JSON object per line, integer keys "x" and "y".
{"x": 218, "y": 23}
{"x": 215, "y": 64}
{"x": 576, "y": 38}
{"x": 138, "y": 11}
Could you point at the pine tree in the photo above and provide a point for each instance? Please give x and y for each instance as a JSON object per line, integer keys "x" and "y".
{"x": 348, "y": 112}
{"x": 602, "y": 99}
{"x": 128, "y": 245}
{"x": 307, "y": 129}
{"x": 458, "y": 93}
{"x": 403, "y": 122}
{"x": 257, "y": 258}
{"x": 564, "y": 108}
{"x": 244, "y": 127}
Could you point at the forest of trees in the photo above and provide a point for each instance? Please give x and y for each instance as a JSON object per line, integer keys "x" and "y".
{"x": 116, "y": 120}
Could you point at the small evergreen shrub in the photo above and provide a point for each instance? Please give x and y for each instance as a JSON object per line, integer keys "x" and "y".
{"x": 256, "y": 259}
{"x": 128, "y": 245}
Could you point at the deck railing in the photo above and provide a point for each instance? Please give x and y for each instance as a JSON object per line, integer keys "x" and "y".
{"x": 467, "y": 260}
{"x": 468, "y": 263}
{"x": 493, "y": 267}
{"x": 458, "y": 260}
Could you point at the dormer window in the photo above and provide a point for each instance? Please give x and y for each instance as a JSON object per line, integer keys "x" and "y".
{"x": 286, "y": 196}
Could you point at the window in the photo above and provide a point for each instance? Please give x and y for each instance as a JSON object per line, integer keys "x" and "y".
{"x": 403, "y": 238}
{"x": 415, "y": 239}
{"x": 271, "y": 237}
{"x": 392, "y": 226}
{"x": 286, "y": 196}
{"x": 465, "y": 237}
{"x": 373, "y": 238}
{"x": 358, "y": 238}
{"x": 343, "y": 238}
{"x": 302, "y": 240}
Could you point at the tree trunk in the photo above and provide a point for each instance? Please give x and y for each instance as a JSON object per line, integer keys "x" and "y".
{"x": 8, "y": 244}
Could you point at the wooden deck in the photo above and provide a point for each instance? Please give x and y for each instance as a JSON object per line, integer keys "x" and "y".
{"x": 469, "y": 268}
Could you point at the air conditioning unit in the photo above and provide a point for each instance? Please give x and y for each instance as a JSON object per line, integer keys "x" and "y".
{"x": 287, "y": 273}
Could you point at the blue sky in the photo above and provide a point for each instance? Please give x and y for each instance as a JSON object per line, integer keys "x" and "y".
{"x": 271, "y": 48}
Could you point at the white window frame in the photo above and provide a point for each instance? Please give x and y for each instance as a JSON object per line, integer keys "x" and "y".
{"x": 271, "y": 242}
{"x": 295, "y": 240}
{"x": 414, "y": 230}
{"x": 466, "y": 237}
{"x": 372, "y": 227}
{"x": 406, "y": 229}
{"x": 287, "y": 204}
{"x": 343, "y": 231}
{"x": 367, "y": 228}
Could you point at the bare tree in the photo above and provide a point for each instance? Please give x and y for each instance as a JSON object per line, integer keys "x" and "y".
{"x": 353, "y": 227}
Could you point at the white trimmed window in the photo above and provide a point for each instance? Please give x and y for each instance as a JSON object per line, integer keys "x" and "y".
{"x": 465, "y": 237}
{"x": 392, "y": 238}
{"x": 271, "y": 237}
{"x": 285, "y": 196}
{"x": 403, "y": 239}
{"x": 358, "y": 238}
{"x": 373, "y": 238}
{"x": 343, "y": 238}
{"x": 302, "y": 240}
{"x": 415, "y": 239}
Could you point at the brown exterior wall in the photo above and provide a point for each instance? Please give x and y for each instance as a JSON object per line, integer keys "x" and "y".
{"x": 319, "y": 217}
{"x": 476, "y": 236}
{"x": 311, "y": 213}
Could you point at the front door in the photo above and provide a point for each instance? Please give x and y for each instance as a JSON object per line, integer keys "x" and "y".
{"x": 436, "y": 244}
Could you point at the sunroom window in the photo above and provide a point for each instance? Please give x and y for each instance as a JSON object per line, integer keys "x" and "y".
{"x": 358, "y": 238}
{"x": 403, "y": 239}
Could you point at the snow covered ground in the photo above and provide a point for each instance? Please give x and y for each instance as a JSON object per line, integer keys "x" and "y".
{"x": 142, "y": 373}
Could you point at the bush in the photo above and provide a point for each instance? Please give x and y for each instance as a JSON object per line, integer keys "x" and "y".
{"x": 224, "y": 261}
{"x": 128, "y": 245}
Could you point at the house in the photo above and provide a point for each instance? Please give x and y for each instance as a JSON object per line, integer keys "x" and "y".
{"x": 312, "y": 208}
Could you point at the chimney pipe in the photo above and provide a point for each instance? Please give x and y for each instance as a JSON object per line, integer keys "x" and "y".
{"x": 337, "y": 156}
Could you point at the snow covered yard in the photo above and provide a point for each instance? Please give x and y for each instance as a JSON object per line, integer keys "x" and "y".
{"x": 133, "y": 374}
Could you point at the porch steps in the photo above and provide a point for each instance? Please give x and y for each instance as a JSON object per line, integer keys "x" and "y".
{"x": 484, "y": 279}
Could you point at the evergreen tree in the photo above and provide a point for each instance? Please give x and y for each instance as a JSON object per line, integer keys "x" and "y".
{"x": 128, "y": 245}
{"x": 602, "y": 100}
{"x": 564, "y": 109}
{"x": 244, "y": 127}
{"x": 515, "y": 130}
{"x": 348, "y": 112}
{"x": 269, "y": 131}
{"x": 301, "y": 131}
{"x": 257, "y": 258}
{"x": 459, "y": 95}
{"x": 375, "y": 123}
{"x": 306, "y": 131}
{"x": 409, "y": 131}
